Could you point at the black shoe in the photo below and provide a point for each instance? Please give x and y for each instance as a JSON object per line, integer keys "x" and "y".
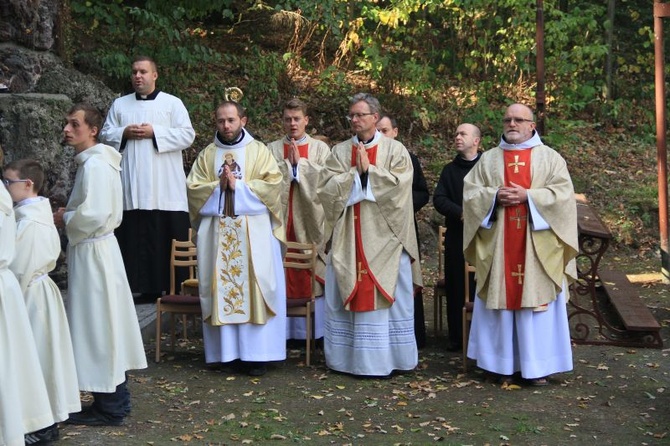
{"x": 43, "y": 436}
{"x": 257, "y": 369}
{"x": 92, "y": 417}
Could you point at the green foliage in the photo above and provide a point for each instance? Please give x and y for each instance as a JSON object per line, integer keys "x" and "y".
{"x": 121, "y": 31}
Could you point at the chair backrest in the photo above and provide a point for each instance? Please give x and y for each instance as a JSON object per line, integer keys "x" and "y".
{"x": 468, "y": 269}
{"x": 302, "y": 256}
{"x": 182, "y": 255}
{"x": 442, "y": 230}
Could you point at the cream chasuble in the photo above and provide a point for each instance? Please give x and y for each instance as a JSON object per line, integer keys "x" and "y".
{"x": 241, "y": 288}
{"x": 386, "y": 222}
{"x": 302, "y": 208}
{"x": 548, "y": 255}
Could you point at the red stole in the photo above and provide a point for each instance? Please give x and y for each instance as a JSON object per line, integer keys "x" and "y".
{"x": 362, "y": 297}
{"x": 517, "y": 170}
{"x": 298, "y": 282}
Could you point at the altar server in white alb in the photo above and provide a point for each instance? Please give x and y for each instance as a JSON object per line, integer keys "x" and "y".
{"x": 520, "y": 232}
{"x": 24, "y": 401}
{"x": 103, "y": 323}
{"x": 373, "y": 265}
{"x": 150, "y": 128}
{"x": 236, "y": 212}
{"x": 301, "y": 159}
{"x": 37, "y": 250}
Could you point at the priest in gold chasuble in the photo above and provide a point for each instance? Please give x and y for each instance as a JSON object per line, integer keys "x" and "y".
{"x": 235, "y": 209}
{"x": 372, "y": 269}
{"x": 301, "y": 159}
{"x": 520, "y": 232}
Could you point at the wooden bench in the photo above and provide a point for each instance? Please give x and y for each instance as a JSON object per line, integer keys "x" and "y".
{"x": 626, "y": 301}
{"x": 595, "y": 292}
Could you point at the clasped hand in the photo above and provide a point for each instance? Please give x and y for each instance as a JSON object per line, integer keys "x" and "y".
{"x": 139, "y": 131}
{"x": 293, "y": 153}
{"x": 362, "y": 160}
{"x": 227, "y": 179}
{"x": 512, "y": 195}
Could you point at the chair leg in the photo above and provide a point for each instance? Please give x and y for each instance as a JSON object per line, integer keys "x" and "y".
{"x": 184, "y": 324}
{"x": 308, "y": 333}
{"x": 158, "y": 332}
{"x": 173, "y": 336}
{"x": 465, "y": 334}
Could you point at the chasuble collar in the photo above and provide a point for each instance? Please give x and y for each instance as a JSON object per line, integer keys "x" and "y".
{"x": 242, "y": 141}
{"x": 529, "y": 144}
{"x": 298, "y": 142}
{"x": 373, "y": 141}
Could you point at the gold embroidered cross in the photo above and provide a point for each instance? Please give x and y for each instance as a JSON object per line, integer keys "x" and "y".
{"x": 516, "y": 164}
{"x": 361, "y": 270}
{"x": 518, "y": 274}
{"x": 518, "y": 218}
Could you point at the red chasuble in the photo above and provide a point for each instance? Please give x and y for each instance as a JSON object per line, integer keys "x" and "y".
{"x": 298, "y": 282}
{"x": 517, "y": 170}
{"x": 362, "y": 298}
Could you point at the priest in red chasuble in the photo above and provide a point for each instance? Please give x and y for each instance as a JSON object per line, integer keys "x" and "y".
{"x": 520, "y": 232}
{"x": 301, "y": 159}
{"x": 372, "y": 268}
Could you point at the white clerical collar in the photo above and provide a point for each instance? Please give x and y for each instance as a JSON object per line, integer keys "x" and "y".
{"x": 373, "y": 141}
{"x": 528, "y": 144}
{"x": 299, "y": 141}
{"x": 243, "y": 140}
{"x": 28, "y": 201}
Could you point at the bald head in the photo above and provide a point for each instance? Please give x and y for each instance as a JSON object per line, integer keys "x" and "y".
{"x": 467, "y": 140}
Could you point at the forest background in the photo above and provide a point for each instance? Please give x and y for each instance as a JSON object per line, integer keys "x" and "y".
{"x": 433, "y": 64}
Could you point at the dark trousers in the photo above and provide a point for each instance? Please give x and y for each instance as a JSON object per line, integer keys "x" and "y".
{"x": 114, "y": 406}
{"x": 145, "y": 238}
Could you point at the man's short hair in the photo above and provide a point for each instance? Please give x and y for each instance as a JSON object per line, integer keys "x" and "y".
{"x": 28, "y": 169}
{"x": 241, "y": 111}
{"x": 143, "y": 58}
{"x": 92, "y": 115}
{"x": 372, "y": 102}
{"x": 394, "y": 123}
{"x": 295, "y": 104}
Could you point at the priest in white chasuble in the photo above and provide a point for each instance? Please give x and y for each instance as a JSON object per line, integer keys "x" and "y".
{"x": 237, "y": 216}
{"x": 520, "y": 232}
{"x": 301, "y": 159}
{"x": 372, "y": 268}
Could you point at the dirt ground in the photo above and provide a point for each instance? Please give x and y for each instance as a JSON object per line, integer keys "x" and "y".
{"x": 614, "y": 396}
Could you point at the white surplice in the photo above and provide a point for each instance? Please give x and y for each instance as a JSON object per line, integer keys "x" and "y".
{"x": 24, "y": 402}
{"x": 153, "y": 177}
{"x": 103, "y": 323}
{"x": 37, "y": 250}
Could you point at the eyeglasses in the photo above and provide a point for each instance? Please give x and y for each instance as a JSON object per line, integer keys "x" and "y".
{"x": 517, "y": 120}
{"x": 357, "y": 116}
{"x": 8, "y": 183}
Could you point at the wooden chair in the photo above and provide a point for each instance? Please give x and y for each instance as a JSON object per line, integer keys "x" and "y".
{"x": 191, "y": 285}
{"x": 182, "y": 255}
{"x": 302, "y": 256}
{"x": 467, "y": 313}
{"x": 439, "y": 289}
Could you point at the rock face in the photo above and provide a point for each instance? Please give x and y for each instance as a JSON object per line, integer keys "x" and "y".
{"x": 30, "y": 23}
{"x": 33, "y": 111}
{"x": 36, "y": 91}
